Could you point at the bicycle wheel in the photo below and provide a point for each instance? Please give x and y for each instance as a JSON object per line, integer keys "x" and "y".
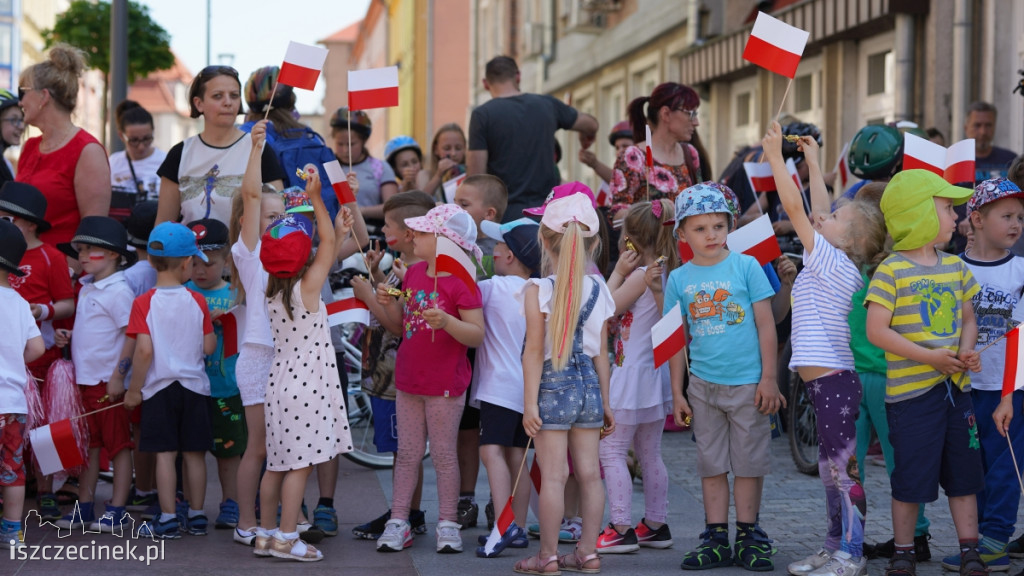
{"x": 360, "y": 423}
{"x": 803, "y": 427}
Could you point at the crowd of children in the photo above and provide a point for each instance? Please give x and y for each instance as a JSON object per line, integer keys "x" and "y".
{"x": 216, "y": 339}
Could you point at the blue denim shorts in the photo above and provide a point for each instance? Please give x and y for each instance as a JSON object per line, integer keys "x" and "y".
{"x": 570, "y": 398}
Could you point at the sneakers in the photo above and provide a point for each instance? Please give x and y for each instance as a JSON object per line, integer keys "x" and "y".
{"x": 48, "y": 508}
{"x": 902, "y": 564}
{"x": 396, "y": 536}
{"x": 1015, "y": 549}
{"x": 563, "y": 534}
{"x": 809, "y": 564}
{"x": 514, "y": 534}
{"x": 326, "y": 519}
{"x": 244, "y": 537}
{"x": 712, "y": 552}
{"x": 113, "y": 520}
{"x": 753, "y": 550}
{"x": 648, "y": 538}
{"x": 156, "y": 529}
{"x": 449, "y": 541}
{"x": 467, "y": 513}
{"x": 374, "y": 528}
{"x": 152, "y": 511}
{"x": 137, "y": 503}
{"x": 995, "y": 560}
{"x": 310, "y": 533}
{"x": 842, "y": 564}
{"x": 921, "y": 550}
{"x": 12, "y": 539}
{"x": 196, "y": 525}
{"x": 611, "y": 542}
{"x": 293, "y": 549}
{"x": 228, "y": 517}
{"x": 973, "y": 564}
{"x": 418, "y": 521}
{"x": 520, "y": 541}
{"x": 574, "y": 527}
{"x": 85, "y": 516}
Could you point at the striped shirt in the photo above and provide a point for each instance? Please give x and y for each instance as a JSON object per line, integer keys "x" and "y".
{"x": 821, "y": 304}
{"x": 925, "y": 302}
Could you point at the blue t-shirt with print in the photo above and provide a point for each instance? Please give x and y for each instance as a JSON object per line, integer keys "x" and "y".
{"x": 220, "y": 370}
{"x": 716, "y": 302}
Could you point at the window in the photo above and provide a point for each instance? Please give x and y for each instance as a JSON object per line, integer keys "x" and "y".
{"x": 743, "y": 109}
{"x": 878, "y": 72}
{"x": 6, "y": 7}
{"x": 803, "y": 99}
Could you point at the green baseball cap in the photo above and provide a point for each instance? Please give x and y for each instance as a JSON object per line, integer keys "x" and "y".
{"x": 908, "y": 208}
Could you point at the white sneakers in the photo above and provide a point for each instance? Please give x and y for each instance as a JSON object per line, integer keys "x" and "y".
{"x": 812, "y": 562}
{"x": 397, "y": 536}
{"x": 842, "y": 564}
{"x": 449, "y": 540}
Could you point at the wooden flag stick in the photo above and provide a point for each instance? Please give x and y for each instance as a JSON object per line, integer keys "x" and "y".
{"x": 779, "y": 113}
{"x": 994, "y": 342}
{"x": 97, "y": 411}
{"x": 269, "y": 104}
{"x": 522, "y": 465}
{"x": 350, "y": 139}
{"x": 1015, "y": 466}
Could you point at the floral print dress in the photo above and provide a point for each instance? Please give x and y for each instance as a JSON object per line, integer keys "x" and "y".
{"x": 630, "y": 180}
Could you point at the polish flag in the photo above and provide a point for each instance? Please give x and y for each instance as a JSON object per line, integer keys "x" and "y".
{"x": 791, "y": 168}
{"x": 756, "y": 239}
{"x": 232, "y": 324}
{"x": 603, "y": 193}
{"x": 374, "y": 88}
{"x": 648, "y": 154}
{"x": 955, "y": 164}
{"x": 775, "y": 45}
{"x": 348, "y": 310}
{"x": 336, "y": 177}
{"x": 454, "y": 260}
{"x": 535, "y": 482}
{"x": 302, "y": 65}
{"x": 685, "y": 252}
{"x": 450, "y": 187}
{"x": 501, "y": 525}
{"x": 842, "y": 170}
{"x": 759, "y": 174}
{"x": 55, "y": 447}
{"x": 668, "y": 336}
{"x": 1013, "y": 371}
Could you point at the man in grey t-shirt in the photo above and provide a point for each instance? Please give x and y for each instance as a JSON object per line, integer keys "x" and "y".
{"x": 512, "y": 136}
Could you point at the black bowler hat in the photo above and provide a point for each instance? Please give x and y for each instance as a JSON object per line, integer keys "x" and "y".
{"x": 99, "y": 231}
{"x": 12, "y": 247}
{"x": 140, "y": 223}
{"x": 24, "y": 201}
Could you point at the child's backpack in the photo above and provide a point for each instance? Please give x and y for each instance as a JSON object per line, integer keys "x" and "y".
{"x": 302, "y": 150}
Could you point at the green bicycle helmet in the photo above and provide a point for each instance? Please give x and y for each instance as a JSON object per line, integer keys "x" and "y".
{"x": 7, "y": 100}
{"x": 876, "y": 152}
{"x": 360, "y": 122}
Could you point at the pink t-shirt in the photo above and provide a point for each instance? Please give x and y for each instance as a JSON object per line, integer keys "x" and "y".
{"x": 439, "y": 367}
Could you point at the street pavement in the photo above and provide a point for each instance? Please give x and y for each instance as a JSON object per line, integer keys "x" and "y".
{"x": 792, "y": 513}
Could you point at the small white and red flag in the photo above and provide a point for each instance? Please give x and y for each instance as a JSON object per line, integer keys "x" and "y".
{"x": 348, "y": 309}
{"x": 791, "y": 168}
{"x": 232, "y": 324}
{"x": 55, "y": 447}
{"x": 756, "y": 239}
{"x": 955, "y": 164}
{"x": 648, "y": 153}
{"x": 374, "y": 88}
{"x": 775, "y": 45}
{"x": 336, "y": 177}
{"x": 501, "y": 525}
{"x": 685, "y": 252}
{"x": 842, "y": 170}
{"x": 451, "y": 186}
{"x": 302, "y": 65}
{"x": 1013, "y": 371}
{"x": 668, "y": 336}
{"x": 454, "y": 260}
{"x": 759, "y": 175}
{"x": 603, "y": 194}
{"x": 535, "y": 480}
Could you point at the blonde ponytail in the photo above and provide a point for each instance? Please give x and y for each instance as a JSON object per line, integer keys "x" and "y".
{"x": 567, "y": 294}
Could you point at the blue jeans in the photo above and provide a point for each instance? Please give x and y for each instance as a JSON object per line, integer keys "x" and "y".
{"x": 997, "y": 503}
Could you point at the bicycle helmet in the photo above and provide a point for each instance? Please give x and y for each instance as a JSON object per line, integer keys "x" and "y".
{"x": 7, "y": 100}
{"x": 260, "y": 86}
{"x": 360, "y": 122}
{"x": 620, "y": 130}
{"x": 789, "y": 149}
{"x": 397, "y": 144}
{"x": 875, "y": 152}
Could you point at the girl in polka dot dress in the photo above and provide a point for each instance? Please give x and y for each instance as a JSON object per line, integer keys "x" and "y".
{"x": 306, "y": 422}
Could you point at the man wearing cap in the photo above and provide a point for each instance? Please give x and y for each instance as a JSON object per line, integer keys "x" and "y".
{"x": 512, "y": 136}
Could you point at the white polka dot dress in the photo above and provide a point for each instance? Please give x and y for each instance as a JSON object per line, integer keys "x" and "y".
{"x": 305, "y": 405}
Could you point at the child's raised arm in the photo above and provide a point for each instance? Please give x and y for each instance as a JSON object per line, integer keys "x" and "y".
{"x": 789, "y": 194}
{"x": 821, "y": 204}
{"x": 315, "y": 276}
{"x": 626, "y": 287}
{"x": 252, "y": 187}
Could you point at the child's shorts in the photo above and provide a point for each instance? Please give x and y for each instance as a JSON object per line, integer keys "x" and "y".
{"x": 385, "y": 424}
{"x": 227, "y": 420}
{"x": 935, "y": 443}
{"x": 570, "y": 398}
{"x": 110, "y": 429}
{"x": 502, "y": 426}
{"x": 732, "y": 436}
{"x": 176, "y": 418}
{"x": 12, "y": 446}
{"x": 252, "y": 371}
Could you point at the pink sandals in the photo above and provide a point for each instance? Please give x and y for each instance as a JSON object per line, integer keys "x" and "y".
{"x": 573, "y": 562}
{"x": 538, "y": 565}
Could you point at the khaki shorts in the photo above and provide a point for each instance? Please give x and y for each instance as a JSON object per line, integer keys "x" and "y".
{"x": 732, "y": 436}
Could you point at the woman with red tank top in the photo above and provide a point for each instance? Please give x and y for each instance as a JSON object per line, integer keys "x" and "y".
{"x": 66, "y": 163}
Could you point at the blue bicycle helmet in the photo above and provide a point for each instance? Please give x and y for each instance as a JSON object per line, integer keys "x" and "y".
{"x": 397, "y": 144}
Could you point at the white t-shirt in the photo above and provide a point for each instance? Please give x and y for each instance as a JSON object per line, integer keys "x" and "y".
{"x": 254, "y": 282}
{"x": 498, "y": 368}
{"x": 19, "y": 328}
{"x": 141, "y": 277}
{"x": 145, "y": 173}
{"x": 997, "y": 310}
{"x": 100, "y": 319}
{"x": 604, "y": 309}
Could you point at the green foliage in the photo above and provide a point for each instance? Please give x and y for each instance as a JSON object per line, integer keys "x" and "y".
{"x": 86, "y": 25}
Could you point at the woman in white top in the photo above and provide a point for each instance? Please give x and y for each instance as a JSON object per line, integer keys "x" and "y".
{"x": 133, "y": 176}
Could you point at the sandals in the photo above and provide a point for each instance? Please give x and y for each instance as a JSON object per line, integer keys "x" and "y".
{"x": 538, "y": 565}
{"x": 573, "y": 562}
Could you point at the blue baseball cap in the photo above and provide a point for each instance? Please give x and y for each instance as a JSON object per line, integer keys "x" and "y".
{"x": 173, "y": 240}
{"x": 521, "y": 238}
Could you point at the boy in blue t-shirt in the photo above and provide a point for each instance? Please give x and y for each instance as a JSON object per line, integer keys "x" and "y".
{"x": 226, "y": 413}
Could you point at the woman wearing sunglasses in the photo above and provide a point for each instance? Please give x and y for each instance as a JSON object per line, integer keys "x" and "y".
{"x": 67, "y": 163}
{"x": 12, "y": 127}
{"x": 133, "y": 176}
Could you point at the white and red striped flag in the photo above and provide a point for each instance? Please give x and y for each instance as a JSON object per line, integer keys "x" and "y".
{"x": 791, "y": 168}
{"x": 535, "y": 480}
{"x": 232, "y": 324}
{"x": 451, "y": 186}
{"x": 55, "y": 447}
{"x": 302, "y": 65}
{"x": 1013, "y": 371}
{"x": 842, "y": 171}
{"x": 348, "y": 309}
{"x": 337, "y": 180}
{"x": 603, "y": 194}
{"x": 756, "y": 239}
{"x": 668, "y": 336}
{"x": 775, "y": 45}
{"x": 501, "y": 525}
{"x": 374, "y": 88}
{"x": 648, "y": 153}
{"x": 454, "y": 260}
{"x": 759, "y": 175}
{"x": 955, "y": 164}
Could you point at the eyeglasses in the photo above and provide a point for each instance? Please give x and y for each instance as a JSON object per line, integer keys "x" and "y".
{"x": 138, "y": 141}
{"x": 22, "y": 90}
{"x": 691, "y": 113}
{"x": 14, "y": 121}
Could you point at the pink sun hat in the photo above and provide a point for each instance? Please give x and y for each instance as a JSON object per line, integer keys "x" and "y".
{"x": 561, "y": 191}
{"x": 452, "y": 222}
